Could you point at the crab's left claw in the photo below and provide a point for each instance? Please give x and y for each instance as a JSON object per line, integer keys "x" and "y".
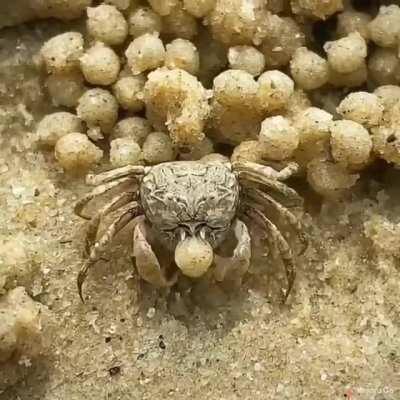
{"x": 147, "y": 263}
{"x": 233, "y": 268}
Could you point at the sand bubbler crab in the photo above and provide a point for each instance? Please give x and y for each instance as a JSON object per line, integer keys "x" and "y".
{"x": 191, "y": 207}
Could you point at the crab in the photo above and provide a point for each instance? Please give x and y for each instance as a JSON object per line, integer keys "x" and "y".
{"x": 191, "y": 207}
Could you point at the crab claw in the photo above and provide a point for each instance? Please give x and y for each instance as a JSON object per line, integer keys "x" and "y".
{"x": 236, "y": 266}
{"x": 146, "y": 260}
{"x": 193, "y": 256}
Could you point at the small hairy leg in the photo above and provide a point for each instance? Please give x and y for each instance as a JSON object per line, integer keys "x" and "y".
{"x": 117, "y": 202}
{"x": 284, "y": 249}
{"x": 131, "y": 171}
{"x": 268, "y": 201}
{"x": 236, "y": 266}
{"x": 268, "y": 172}
{"x": 101, "y": 245}
{"x": 147, "y": 263}
{"x": 98, "y": 191}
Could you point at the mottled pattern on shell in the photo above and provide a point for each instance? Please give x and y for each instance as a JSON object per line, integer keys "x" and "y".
{"x": 190, "y": 193}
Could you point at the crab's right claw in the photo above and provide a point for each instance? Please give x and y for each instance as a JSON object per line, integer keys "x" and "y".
{"x": 233, "y": 268}
{"x": 147, "y": 263}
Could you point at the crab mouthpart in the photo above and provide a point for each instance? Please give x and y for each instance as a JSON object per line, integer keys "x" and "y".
{"x": 193, "y": 256}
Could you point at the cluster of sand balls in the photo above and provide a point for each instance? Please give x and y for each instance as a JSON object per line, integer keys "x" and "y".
{"x": 164, "y": 80}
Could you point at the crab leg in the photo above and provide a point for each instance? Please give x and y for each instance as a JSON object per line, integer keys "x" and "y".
{"x": 104, "y": 241}
{"x": 147, "y": 263}
{"x": 268, "y": 172}
{"x": 247, "y": 177}
{"x": 237, "y": 265}
{"x": 132, "y": 171}
{"x": 266, "y": 200}
{"x": 98, "y": 191}
{"x": 117, "y": 202}
{"x": 282, "y": 245}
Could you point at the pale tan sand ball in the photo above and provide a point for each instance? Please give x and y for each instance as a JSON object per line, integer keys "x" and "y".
{"x": 134, "y": 128}
{"x": 198, "y": 8}
{"x": 384, "y": 66}
{"x": 249, "y": 150}
{"x": 351, "y": 143}
{"x": 65, "y": 89}
{"x": 388, "y": 95}
{"x": 313, "y": 125}
{"x": 143, "y": 20}
{"x": 180, "y": 24}
{"x": 194, "y": 256}
{"x": 107, "y": 24}
{"x": 99, "y": 109}
{"x": 386, "y": 142}
{"x": 316, "y": 8}
{"x": 163, "y": 7}
{"x": 384, "y": 29}
{"x": 176, "y": 100}
{"x": 309, "y": 70}
{"x": 128, "y": 90}
{"x": 61, "y": 53}
{"x": 182, "y": 54}
{"x": 329, "y": 179}
{"x": 145, "y": 53}
{"x": 282, "y": 38}
{"x": 350, "y": 21}
{"x": 234, "y": 86}
{"x": 246, "y": 58}
{"x": 18, "y": 265}
{"x": 20, "y": 325}
{"x": 347, "y": 54}
{"x": 362, "y": 107}
{"x": 279, "y": 138}
{"x": 350, "y": 80}
{"x": 158, "y": 148}
{"x": 54, "y": 126}
{"x": 100, "y": 65}
{"x": 198, "y": 151}
{"x": 236, "y": 113}
{"x": 275, "y": 89}
{"x": 76, "y": 153}
{"x": 124, "y": 151}
{"x": 235, "y": 22}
